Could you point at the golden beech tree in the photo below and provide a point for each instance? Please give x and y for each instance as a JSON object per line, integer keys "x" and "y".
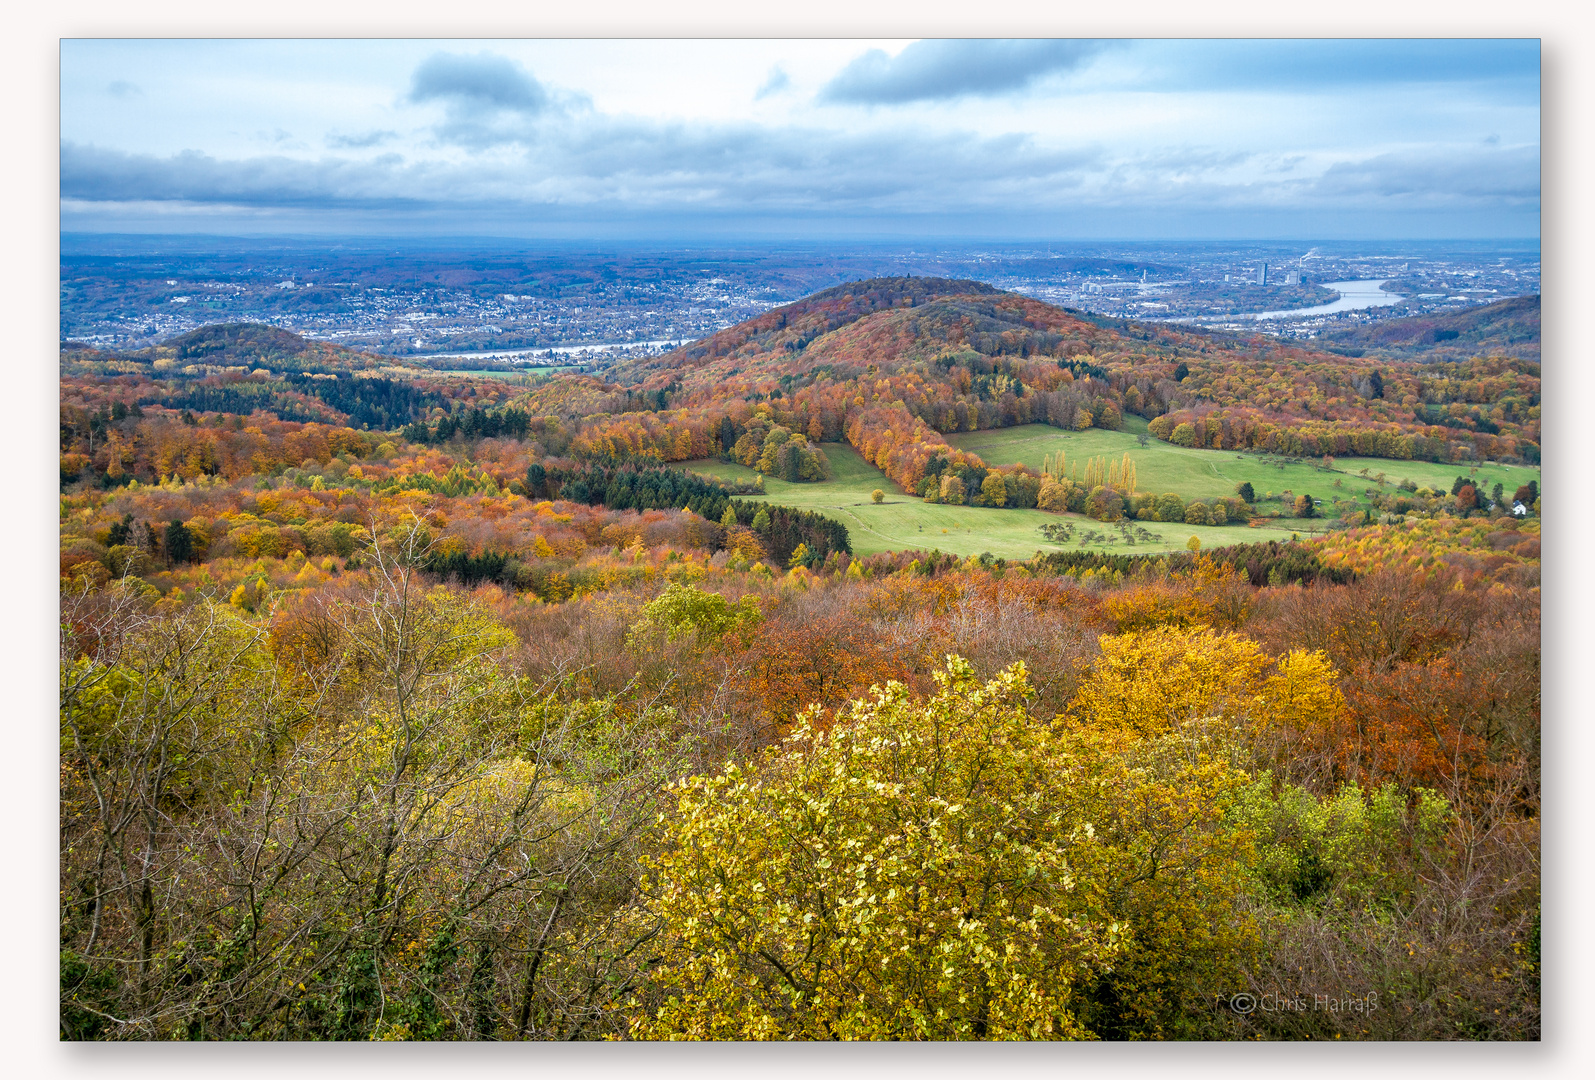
{"x": 1152, "y": 681}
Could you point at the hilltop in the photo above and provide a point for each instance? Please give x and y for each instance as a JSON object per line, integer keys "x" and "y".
{"x": 888, "y": 326}
{"x": 881, "y": 326}
{"x": 246, "y": 368}
{"x": 1505, "y": 328}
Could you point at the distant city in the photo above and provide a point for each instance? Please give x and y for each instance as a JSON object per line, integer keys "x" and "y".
{"x": 540, "y": 304}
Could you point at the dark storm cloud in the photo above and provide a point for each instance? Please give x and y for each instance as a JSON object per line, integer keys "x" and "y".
{"x": 609, "y": 165}
{"x": 937, "y": 70}
{"x": 795, "y": 168}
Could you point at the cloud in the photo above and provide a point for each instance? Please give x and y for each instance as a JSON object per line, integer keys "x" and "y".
{"x": 1439, "y": 176}
{"x": 121, "y": 88}
{"x": 604, "y": 168}
{"x": 1328, "y": 64}
{"x": 620, "y": 166}
{"x": 91, "y": 174}
{"x": 362, "y": 141}
{"x": 624, "y": 167}
{"x": 942, "y": 69}
{"x": 778, "y": 81}
{"x": 490, "y": 101}
{"x": 483, "y": 82}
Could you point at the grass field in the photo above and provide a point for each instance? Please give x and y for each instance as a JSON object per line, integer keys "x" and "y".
{"x": 1205, "y": 473}
{"x": 904, "y": 522}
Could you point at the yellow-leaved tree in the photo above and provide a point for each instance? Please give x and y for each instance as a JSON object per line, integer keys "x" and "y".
{"x": 942, "y": 868}
{"x": 1189, "y": 689}
{"x": 1151, "y": 681}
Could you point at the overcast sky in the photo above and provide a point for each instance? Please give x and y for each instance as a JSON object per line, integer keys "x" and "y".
{"x": 1046, "y": 139}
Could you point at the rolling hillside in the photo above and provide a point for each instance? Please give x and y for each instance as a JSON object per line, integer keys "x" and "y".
{"x": 1507, "y": 328}
{"x": 894, "y": 366}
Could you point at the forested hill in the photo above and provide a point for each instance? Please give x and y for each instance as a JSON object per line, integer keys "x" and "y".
{"x": 889, "y": 326}
{"x": 1505, "y": 328}
{"x": 893, "y": 365}
{"x": 238, "y": 345}
{"x": 792, "y": 334}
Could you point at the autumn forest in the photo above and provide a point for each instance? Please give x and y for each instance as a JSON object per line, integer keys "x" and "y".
{"x": 408, "y": 703}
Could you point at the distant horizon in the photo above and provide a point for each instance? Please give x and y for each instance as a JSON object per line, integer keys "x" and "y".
{"x": 722, "y": 243}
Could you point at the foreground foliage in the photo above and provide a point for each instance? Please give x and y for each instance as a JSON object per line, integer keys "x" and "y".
{"x": 383, "y": 808}
{"x": 945, "y": 869}
{"x": 367, "y": 827}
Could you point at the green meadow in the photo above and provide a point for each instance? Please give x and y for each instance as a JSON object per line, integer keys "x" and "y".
{"x": 1206, "y": 473}
{"x": 904, "y": 522}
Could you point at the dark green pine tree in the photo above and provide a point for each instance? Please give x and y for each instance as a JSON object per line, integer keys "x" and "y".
{"x": 121, "y": 532}
{"x": 179, "y": 543}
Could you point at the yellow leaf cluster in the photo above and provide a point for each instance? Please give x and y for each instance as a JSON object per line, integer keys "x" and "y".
{"x": 1151, "y": 682}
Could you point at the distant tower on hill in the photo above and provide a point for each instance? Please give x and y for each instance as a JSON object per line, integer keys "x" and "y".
{"x": 1262, "y": 279}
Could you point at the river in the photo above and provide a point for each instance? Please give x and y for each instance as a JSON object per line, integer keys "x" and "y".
{"x": 1353, "y": 295}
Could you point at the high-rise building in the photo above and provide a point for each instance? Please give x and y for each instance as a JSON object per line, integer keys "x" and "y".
{"x": 1262, "y": 279}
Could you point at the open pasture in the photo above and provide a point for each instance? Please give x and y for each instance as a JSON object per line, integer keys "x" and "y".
{"x": 904, "y": 522}
{"x": 1207, "y": 473}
